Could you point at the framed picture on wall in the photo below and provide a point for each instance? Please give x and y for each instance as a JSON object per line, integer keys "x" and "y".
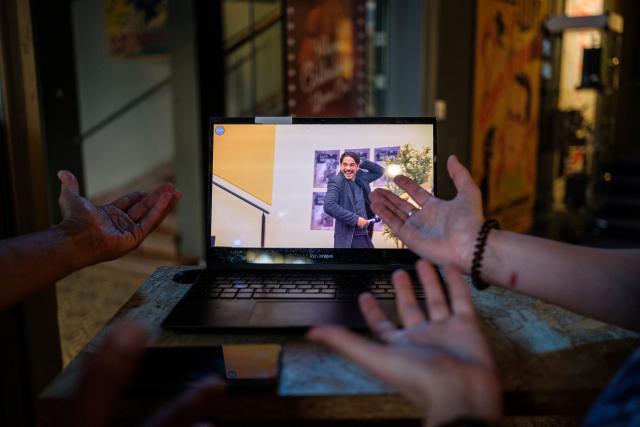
{"x": 319, "y": 219}
{"x": 325, "y": 166}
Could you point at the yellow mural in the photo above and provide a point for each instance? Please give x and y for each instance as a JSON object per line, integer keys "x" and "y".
{"x": 243, "y": 155}
{"x": 505, "y": 107}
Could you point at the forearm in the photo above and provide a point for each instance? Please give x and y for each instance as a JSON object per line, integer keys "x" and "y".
{"x": 598, "y": 283}
{"x": 31, "y": 262}
{"x": 375, "y": 171}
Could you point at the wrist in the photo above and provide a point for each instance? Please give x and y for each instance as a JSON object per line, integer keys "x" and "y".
{"x": 468, "y": 245}
{"x": 479, "y": 253}
{"x": 77, "y": 245}
{"x": 482, "y": 402}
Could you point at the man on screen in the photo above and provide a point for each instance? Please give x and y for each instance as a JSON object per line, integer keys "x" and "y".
{"x": 347, "y": 200}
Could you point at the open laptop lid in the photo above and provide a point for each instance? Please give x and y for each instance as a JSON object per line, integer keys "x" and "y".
{"x": 268, "y": 179}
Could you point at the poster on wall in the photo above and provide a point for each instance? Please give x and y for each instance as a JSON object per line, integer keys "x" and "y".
{"x": 325, "y": 166}
{"x": 362, "y": 152}
{"x": 137, "y": 28}
{"x": 319, "y": 219}
{"x": 380, "y": 156}
{"x": 505, "y": 107}
{"x": 326, "y": 42}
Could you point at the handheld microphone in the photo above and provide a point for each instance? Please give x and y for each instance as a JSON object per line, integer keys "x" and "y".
{"x": 374, "y": 219}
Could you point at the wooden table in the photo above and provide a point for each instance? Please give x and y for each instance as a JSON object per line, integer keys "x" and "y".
{"x": 552, "y": 362}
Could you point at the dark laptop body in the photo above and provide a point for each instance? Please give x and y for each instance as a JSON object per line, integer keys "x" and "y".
{"x": 262, "y": 286}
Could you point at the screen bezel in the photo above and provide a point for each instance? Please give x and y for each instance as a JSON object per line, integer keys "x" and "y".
{"x": 225, "y": 256}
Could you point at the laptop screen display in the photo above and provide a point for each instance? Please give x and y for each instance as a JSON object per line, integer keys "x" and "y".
{"x": 307, "y": 185}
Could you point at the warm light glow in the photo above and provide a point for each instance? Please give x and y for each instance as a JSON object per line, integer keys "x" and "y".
{"x": 263, "y": 259}
{"x": 393, "y": 171}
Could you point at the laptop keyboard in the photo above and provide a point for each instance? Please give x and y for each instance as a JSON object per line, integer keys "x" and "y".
{"x": 288, "y": 286}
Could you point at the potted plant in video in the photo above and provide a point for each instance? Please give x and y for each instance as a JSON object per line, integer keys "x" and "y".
{"x": 415, "y": 164}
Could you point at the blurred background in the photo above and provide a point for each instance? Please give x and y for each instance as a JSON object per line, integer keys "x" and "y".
{"x": 535, "y": 97}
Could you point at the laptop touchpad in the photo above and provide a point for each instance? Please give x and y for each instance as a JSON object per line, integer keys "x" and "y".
{"x": 292, "y": 313}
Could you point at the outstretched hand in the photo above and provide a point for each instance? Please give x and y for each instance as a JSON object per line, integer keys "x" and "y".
{"x": 113, "y": 365}
{"x": 115, "y": 229}
{"x": 441, "y": 231}
{"x": 443, "y": 365}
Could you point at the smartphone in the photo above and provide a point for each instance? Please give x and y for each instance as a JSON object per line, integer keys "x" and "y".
{"x": 168, "y": 370}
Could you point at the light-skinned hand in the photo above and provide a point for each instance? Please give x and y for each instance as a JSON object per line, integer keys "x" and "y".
{"x": 442, "y": 364}
{"x": 441, "y": 231}
{"x": 362, "y": 223}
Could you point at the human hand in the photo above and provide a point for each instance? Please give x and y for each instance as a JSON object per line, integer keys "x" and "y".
{"x": 443, "y": 365}
{"x": 108, "y": 372}
{"x": 362, "y": 223}
{"x": 113, "y": 230}
{"x": 442, "y": 231}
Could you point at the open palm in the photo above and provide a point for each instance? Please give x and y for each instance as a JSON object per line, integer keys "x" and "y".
{"x": 443, "y": 365}
{"x": 114, "y": 229}
{"x": 442, "y": 231}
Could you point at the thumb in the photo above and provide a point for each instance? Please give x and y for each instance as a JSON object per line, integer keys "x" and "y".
{"x": 69, "y": 189}
{"x": 459, "y": 174}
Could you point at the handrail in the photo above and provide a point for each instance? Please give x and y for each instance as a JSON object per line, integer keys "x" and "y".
{"x": 260, "y": 27}
{"x": 240, "y": 197}
{"x": 124, "y": 109}
{"x": 263, "y": 225}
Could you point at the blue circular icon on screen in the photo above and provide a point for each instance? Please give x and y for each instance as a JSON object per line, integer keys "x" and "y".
{"x": 220, "y": 130}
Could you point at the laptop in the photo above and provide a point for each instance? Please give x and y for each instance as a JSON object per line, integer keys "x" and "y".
{"x": 279, "y": 235}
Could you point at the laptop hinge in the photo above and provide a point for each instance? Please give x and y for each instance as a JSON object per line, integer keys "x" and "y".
{"x": 312, "y": 267}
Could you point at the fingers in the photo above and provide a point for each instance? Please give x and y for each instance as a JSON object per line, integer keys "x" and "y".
{"x": 459, "y": 294}
{"x": 368, "y": 354}
{"x": 408, "y": 308}
{"x": 107, "y": 373}
{"x": 142, "y": 207}
{"x": 69, "y": 189}
{"x": 128, "y": 200}
{"x": 436, "y": 301}
{"x": 392, "y": 201}
{"x": 382, "y": 361}
{"x": 413, "y": 189}
{"x": 375, "y": 317}
{"x": 407, "y": 231}
{"x": 390, "y": 216}
{"x": 158, "y": 212}
{"x": 194, "y": 406}
{"x": 391, "y": 209}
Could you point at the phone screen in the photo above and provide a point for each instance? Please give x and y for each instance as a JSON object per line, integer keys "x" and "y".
{"x": 165, "y": 370}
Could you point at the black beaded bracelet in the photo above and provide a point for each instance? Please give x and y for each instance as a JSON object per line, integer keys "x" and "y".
{"x": 481, "y": 242}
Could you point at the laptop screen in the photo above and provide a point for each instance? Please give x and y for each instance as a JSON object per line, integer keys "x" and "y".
{"x": 299, "y": 192}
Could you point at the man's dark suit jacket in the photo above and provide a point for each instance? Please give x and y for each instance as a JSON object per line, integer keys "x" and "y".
{"x": 339, "y": 202}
